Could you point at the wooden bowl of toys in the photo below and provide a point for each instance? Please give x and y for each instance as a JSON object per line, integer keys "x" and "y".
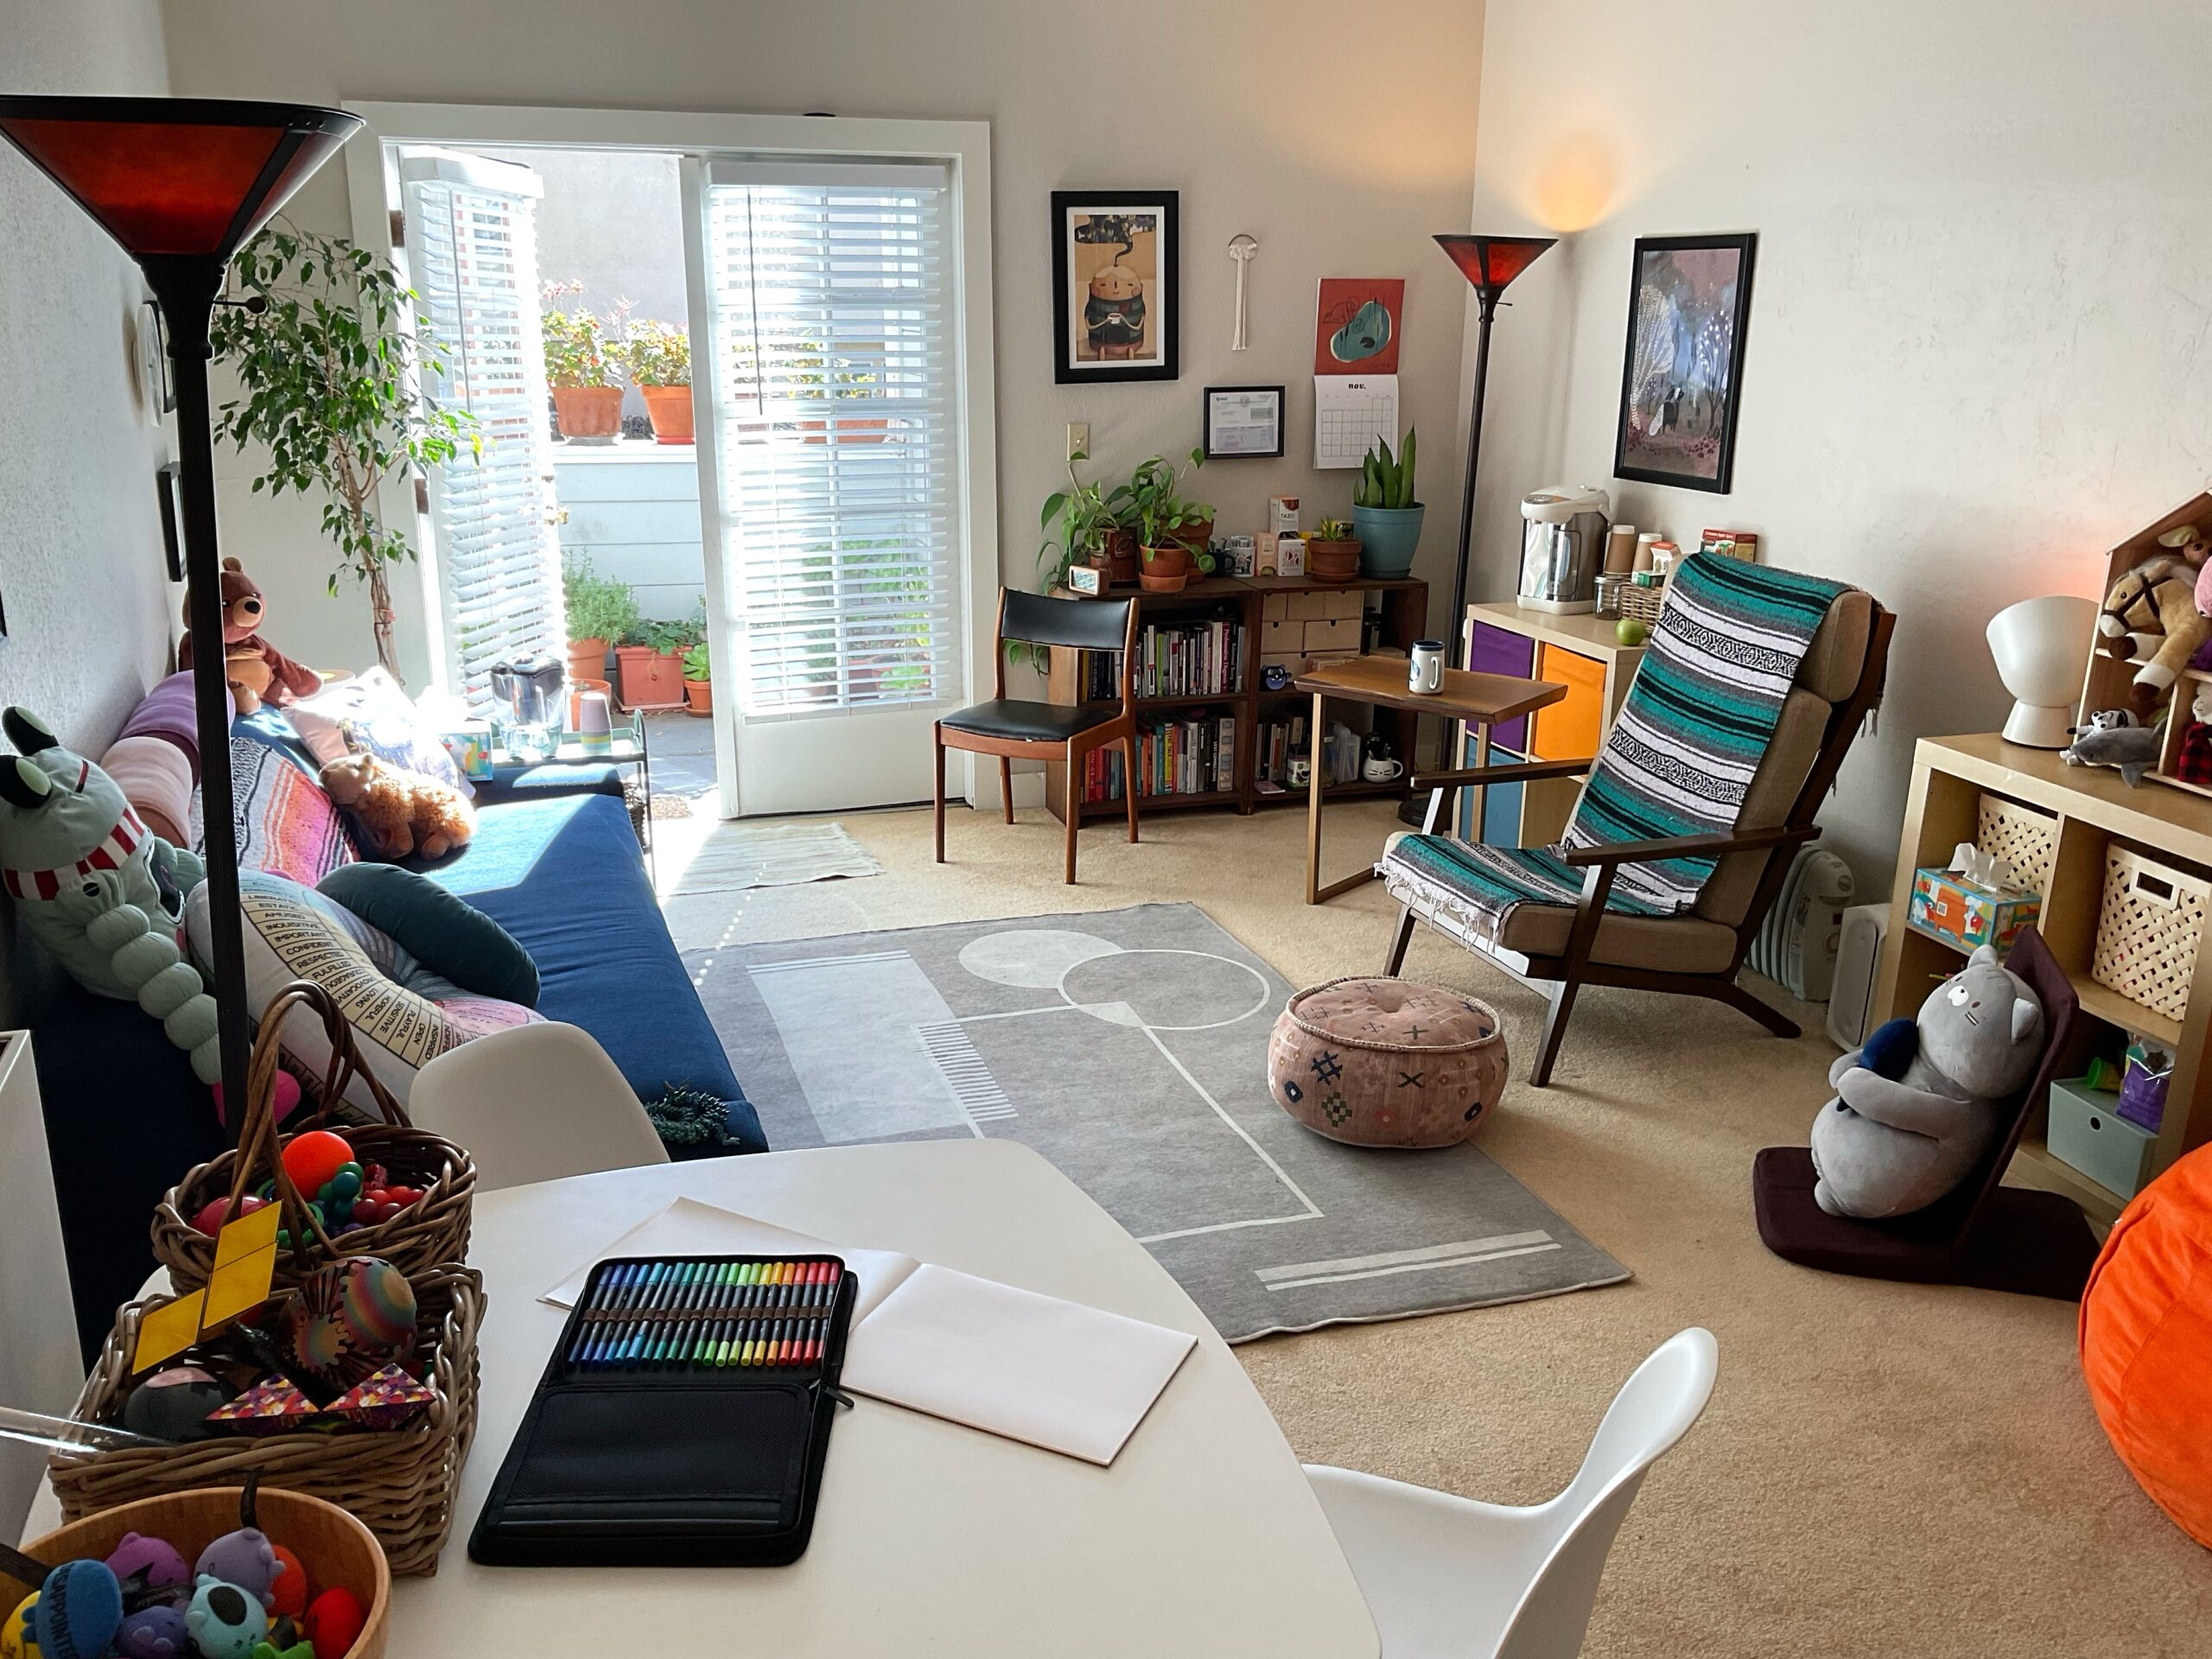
{"x": 347, "y": 1592}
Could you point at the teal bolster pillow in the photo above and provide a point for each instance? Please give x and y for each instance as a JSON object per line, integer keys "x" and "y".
{"x": 441, "y": 930}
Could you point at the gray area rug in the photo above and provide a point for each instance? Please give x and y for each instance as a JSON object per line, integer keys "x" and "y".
{"x": 1130, "y": 1046}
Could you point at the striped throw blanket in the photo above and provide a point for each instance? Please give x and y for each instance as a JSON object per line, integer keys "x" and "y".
{"x": 1677, "y": 760}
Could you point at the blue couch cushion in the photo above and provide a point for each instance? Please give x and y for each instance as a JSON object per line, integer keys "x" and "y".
{"x": 562, "y": 873}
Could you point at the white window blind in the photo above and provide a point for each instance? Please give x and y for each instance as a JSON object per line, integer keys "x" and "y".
{"x": 835, "y": 346}
{"x": 472, "y": 235}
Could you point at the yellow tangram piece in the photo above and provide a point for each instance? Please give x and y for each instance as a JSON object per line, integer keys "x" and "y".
{"x": 170, "y": 1329}
{"x": 248, "y": 1235}
{"x": 237, "y": 1286}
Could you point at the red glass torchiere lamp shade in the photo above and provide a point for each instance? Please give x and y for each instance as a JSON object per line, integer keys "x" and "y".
{"x": 1491, "y": 262}
{"x": 175, "y": 179}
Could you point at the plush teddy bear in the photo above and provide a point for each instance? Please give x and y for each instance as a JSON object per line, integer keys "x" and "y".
{"x": 1890, "y": 1145}
{"x": 257, "y": 671}
{"x": 399, "y": 812}
{"x": 2154, "y": 605}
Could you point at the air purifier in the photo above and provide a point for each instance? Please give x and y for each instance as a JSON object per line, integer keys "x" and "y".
{"x": 1852, "y": 1013}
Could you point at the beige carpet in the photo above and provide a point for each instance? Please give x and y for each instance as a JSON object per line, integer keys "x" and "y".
{"x": 1884, "y": 1470}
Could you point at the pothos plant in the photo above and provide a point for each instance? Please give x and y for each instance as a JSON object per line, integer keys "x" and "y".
{"x": 1080, "y": 526}
{"x": 331, "y": 376}
{"x": 1149, "y": 504}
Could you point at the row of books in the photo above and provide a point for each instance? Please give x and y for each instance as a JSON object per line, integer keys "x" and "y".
{"x": 1279, "y": 740}
{"x": 1200, "y": 658}
{"x": 1174, "y": 757}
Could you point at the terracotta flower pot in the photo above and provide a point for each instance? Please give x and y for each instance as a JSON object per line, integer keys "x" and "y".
{"x": 651, "y": 679}
{"x": 700, "y": 695}
{"x": 1173, "y": 560}
{"x": 1197, "y": 536}
{"x": 1334, "y": 560}
{"x": 588, "y": 413}
{"x": 587, "y": 660}
{"x": 670, "y": 408}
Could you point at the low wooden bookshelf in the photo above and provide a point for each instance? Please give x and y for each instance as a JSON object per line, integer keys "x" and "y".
{"x": 1402, "y": 603}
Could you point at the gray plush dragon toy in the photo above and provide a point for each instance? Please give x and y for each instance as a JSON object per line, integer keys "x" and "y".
{"x": 98, "y": 888}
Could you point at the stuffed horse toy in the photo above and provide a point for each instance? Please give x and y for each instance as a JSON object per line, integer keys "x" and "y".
{"x": 98, "y": 889}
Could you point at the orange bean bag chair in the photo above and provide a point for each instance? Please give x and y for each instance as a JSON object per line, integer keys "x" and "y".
{"x": 2146, "y": 1341}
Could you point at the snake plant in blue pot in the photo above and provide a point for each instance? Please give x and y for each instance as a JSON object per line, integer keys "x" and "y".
{"x": 1384, "y": 514}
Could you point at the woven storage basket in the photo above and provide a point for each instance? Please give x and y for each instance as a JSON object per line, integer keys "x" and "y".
{"x": 2148, "y": 930}
{"x": 425, "y": 1235}
{"x": 1645, "y": 604}
{"x": 399, "y": 1483}
{"x": 2023, "y": 837}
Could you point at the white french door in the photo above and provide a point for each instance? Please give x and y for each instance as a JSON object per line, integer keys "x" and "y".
{"x": 472, "y": 260}
{"x": 829, "y": 398}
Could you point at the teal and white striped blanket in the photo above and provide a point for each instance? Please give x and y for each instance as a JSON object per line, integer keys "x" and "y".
{"x": 1677, "y": 760}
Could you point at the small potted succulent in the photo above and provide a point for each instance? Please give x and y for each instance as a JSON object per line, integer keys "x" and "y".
{"x": 699, "y": 679}
{"x": 579, "y": 370}
{"x": 1331, "y": 551}
{"x": 1166, "y": 525}
{"x": 656, "y": 359}
{"x": 1384, "y": 513}
{"x": 600, "y": 611}
{"x": 652, "y": 661}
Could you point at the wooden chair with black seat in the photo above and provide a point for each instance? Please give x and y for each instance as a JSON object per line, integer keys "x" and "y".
{"x": 1014, "y": 729}
{"x": 1600, "y": 939}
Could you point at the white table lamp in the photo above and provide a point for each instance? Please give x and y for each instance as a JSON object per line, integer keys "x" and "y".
{"x": 2042, "y": 648}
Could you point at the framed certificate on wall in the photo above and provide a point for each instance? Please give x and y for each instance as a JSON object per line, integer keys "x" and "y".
{"x": 1243, "y": 421}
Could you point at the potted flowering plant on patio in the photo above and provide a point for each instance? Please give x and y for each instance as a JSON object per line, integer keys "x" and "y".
{"x": 579, "y": 370}
{"x": 656, "y": 359}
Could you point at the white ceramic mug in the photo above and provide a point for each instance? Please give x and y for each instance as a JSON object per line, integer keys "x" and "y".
{"x": 1424, "y": 670}
{"x": 1300, "y": 771}
{"x": 1381, "y": 772}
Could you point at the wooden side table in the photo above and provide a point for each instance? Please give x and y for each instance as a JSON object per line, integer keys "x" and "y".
{"x": 1480, "y": 699}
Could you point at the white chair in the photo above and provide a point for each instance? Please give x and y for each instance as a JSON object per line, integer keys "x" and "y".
{"x": 42, "y": 1369}
{"x": 534, "y": 1103}
{"x": 1448, "y": 1578}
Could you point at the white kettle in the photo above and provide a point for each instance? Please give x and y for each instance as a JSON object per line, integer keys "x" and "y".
{"x": 1562, "y": 536}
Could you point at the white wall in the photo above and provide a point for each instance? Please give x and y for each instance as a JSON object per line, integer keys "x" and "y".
{"x": 1340, "y": 143}
{"x": 88, "y": 604}
{"x": 1980, "y": 349}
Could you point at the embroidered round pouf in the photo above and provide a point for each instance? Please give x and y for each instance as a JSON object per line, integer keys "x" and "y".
{"x": 1387, "y": 1063}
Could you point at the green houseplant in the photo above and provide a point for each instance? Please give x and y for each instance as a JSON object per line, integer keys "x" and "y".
{"x": 1082, "y": 529}
{"x": 650, "y": 658}
{"x": 328, "y": 376}
{"x": 1385, "y": 513}
{"x": 580, "y": 369}
{"x": 1331, "y": 551}
{"x": 698, "y": 679}
{"x": 1165, "y": 523}
{"x": 600, "y": 611}
{"x": 656, "y": 358}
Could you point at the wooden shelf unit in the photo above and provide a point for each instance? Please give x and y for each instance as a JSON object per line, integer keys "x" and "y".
{"x": 2092, "y": 808}
{"x": 1403, "y": 602}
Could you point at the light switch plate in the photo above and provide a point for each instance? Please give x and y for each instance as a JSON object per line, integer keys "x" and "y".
{"x": 1078, "y": 438}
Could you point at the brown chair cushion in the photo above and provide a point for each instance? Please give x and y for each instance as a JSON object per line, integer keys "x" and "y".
{"x": 1677, "y": 944}
{"x": 1774, "y": 788}
{"x": 1837, "y": 651}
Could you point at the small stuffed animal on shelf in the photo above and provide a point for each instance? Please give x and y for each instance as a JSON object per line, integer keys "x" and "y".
{"x": 2114, "y": 737}
{"x": 2151, "y": 616}
{"x": 1896, "y": 1139}
{"x": 257, "y": 671}
{"x": 98, "y": 888}
{"x": 399, "y": 812}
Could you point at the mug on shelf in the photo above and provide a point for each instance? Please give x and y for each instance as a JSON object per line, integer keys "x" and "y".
{"x": 1378, "y": 770}
{"x": 1425, "y": 668}
{"x": 1300, "y": 771}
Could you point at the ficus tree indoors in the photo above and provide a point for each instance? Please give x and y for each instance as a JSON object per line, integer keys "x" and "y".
{"x": 331, "y": 381}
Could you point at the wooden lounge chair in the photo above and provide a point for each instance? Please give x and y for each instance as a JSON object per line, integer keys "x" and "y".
{"x": 1699, "y": 952}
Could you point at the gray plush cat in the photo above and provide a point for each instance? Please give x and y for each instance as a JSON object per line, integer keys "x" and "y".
{"x": 1890, "y": 1145}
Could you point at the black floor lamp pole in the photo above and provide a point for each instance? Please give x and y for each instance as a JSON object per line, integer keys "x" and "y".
{"x": 1487, "y": 298}
{"x": 188, "y": 301}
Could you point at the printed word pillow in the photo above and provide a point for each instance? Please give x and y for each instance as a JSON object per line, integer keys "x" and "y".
{"x": 403, "y": 1011}
{"x": 370, "y": 715}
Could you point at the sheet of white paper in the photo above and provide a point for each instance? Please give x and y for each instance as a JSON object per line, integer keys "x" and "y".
{"x": 1350, "y": 412}
{"x": 1072, "y": 1379}
{"x": 688, "y": 1227}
